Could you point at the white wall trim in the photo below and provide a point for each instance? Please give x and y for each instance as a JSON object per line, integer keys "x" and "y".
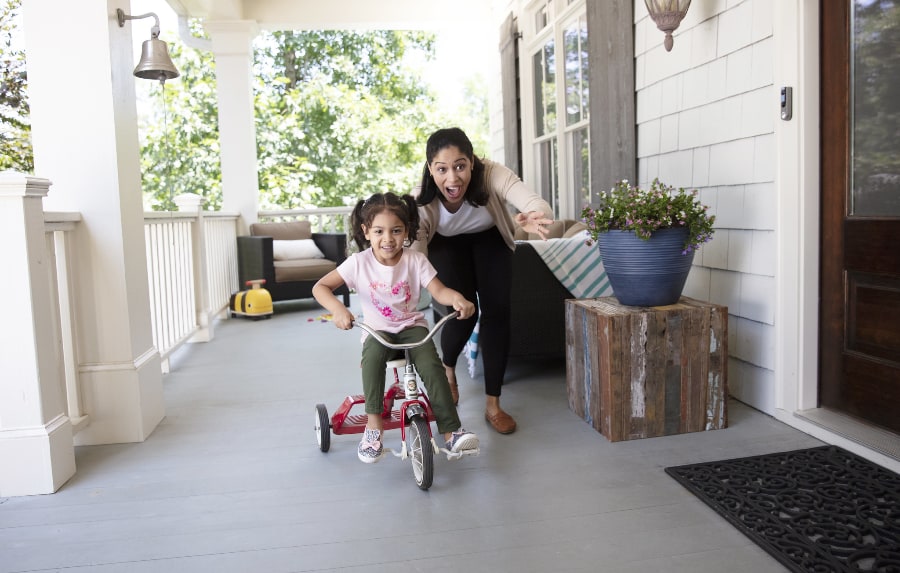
{"x": 796, "y": 27}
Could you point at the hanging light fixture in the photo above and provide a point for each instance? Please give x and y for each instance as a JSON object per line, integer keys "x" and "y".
{"x": 155, "y": 63}
{"x": 668, "y": 15}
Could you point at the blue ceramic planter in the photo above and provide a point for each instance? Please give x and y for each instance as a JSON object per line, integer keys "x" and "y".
{"x": 646, "y": 273}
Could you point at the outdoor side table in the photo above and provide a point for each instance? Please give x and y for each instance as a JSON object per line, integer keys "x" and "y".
{"x": 639, "y": 372}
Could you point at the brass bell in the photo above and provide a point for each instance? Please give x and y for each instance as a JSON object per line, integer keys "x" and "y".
{"x": 155, "y": 63}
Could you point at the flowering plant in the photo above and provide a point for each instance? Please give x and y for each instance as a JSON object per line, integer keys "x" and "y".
{"x": 629, "y": 208}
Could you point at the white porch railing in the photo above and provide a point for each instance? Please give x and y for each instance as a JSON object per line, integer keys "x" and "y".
{"x": 192, "y": 272}
{"x": 58, "y": 230}
{"x": 324, "y": 220}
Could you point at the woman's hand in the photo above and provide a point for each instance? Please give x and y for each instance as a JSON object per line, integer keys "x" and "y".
{"x": 534, "y": 222}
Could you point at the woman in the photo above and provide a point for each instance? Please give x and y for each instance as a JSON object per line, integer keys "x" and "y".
{"x": 467, "y": 231}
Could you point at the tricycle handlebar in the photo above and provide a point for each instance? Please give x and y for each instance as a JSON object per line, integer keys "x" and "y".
{"x": 408, "y": 345}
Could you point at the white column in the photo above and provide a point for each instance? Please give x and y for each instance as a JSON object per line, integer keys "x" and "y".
{"x": 36, "y": 450}
{"x": 233, "y": 51}
{"x": 84, "y": 133}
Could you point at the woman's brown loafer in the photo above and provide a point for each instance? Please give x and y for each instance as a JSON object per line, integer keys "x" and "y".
{"x": 501, "y": 421}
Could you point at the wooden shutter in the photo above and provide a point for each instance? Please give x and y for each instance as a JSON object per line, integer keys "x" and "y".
{"x": 509, "y": 81}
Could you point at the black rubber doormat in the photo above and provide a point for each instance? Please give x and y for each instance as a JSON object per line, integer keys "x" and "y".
{"x": 817, "y": 510}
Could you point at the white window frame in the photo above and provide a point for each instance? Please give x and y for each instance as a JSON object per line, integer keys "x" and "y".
{"x": 562, "y": 14}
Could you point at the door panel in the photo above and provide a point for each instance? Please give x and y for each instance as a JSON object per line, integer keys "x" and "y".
{"x": 860, "y": 244}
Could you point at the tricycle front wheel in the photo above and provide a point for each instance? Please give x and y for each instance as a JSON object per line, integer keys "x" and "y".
{"x": 421, "y": 452}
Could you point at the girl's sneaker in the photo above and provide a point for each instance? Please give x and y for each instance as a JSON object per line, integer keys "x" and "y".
{"x": 370, "y": 447}
{"x": 462, "y": 440}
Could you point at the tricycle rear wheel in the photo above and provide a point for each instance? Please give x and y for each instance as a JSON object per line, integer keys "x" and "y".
{"x": 323, "y": 428}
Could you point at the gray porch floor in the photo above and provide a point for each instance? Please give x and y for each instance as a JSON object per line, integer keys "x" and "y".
{"x": 232, "y": 480}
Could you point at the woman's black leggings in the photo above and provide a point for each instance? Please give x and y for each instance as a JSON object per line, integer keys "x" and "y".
{"x": 478, "y": 265}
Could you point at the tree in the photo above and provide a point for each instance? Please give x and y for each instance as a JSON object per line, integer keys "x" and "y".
{"x": 180, "y": 132}
{"x": 340, "y": 115}
{"x": 15, "y": 129}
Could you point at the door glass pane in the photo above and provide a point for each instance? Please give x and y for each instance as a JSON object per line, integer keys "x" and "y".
{"x": 547, "y": 155}
{"x": 576, "y": 63}
{"x": 545, "y": 90}
{"x": 875, "y": 108}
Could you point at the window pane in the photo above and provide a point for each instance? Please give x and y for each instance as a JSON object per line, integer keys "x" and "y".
{"x": 548, "y": 157}
{"x": 576, "y": 71}
{"x": 581, "y": 166}
{"x": 545, "y": 90}
{"x": 875, "y": 93}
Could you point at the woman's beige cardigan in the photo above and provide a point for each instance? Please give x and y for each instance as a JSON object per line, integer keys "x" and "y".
{"x": 504, "y": 189}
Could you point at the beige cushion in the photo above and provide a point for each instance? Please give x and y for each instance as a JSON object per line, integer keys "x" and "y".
{"x": 295, "y": 249}
{"x": 302, "y": 269}
{"x": 559, "y": 229}
{"x": 576, "y": 228}
{"x": 290, "y": 230}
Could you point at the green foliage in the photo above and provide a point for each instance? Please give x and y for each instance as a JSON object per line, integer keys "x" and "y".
{"x": 340, "y": 115}
{"x": 180, "y": 133}
{"x": 630, "y": 208}
{"x": 15, "y": 128}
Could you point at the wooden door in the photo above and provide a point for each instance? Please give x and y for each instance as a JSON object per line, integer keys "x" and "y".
{"x": 860, "y": 243}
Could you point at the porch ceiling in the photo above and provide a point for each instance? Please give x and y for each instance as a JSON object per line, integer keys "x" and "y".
{"x": 341, "y": 14}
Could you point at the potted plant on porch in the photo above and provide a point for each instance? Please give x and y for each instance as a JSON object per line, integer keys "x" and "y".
{"x": 647, "y": 239}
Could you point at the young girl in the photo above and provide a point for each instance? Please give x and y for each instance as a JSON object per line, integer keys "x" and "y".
{"x": 388, "y": 279}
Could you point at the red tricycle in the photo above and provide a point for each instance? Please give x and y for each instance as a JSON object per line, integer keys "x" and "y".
{"x": 412, "y": 415}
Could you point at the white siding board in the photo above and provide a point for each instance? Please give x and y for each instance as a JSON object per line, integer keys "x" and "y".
{"x": 758, "y": 298}
{"x": 648, "y": 138}
{"x": 689, "y": 129}
{"x": 758, "y": 211}
{"x": 668, "y": 134}
{"x": 740, "y": 245}
{"x": 715, "y": 252}
{"x": 675, "y": 168}
{"x": 725, "y": 288}
{"x": 754, "y": 342}
{"x": 734, "y": 29}
{"x": 731, "y": 163}
{"x": 763, "y": 19}
{"x": 764, "y": 158}
{"x": 762, "y": 261}
{"x": 729, "y": 209}
{"x": 649, "y": 103}
{"x": 757, "y": 113}
{"x": 704, "y": 42}
{"x": 762, "y": 71}
{"x": 739, "y": 65}
{"x": 701, "y": 164}
{"x": 698, "y": 282}
{"x": 695, "y": 88}
{"x": 717, "y": 80}
{"x": 672, "y": 95}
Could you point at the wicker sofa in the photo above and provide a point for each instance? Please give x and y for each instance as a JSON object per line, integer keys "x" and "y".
{"x": 537, "y": 298}
{"x": 290, "y": 257}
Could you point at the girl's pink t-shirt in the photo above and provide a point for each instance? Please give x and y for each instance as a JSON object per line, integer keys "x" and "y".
{"x": 389, "y": 295}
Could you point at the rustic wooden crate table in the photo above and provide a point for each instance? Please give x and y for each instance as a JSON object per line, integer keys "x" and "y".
{"x": 639, "y": 372}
